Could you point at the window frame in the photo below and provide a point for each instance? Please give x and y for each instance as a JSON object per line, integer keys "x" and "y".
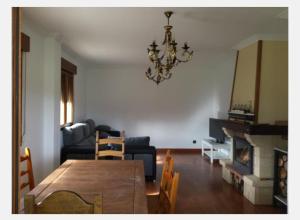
{"x": 68, "y": 71}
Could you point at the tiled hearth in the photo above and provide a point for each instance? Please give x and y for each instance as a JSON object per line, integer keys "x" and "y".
{"x": 258, "y": 186}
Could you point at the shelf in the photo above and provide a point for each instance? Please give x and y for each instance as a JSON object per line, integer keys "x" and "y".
{"x": 212, "y": 143}
{"x": 217, "y": 155}
{"x": 242, "y": 116}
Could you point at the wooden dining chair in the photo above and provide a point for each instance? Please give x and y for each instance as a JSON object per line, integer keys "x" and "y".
{"x": 63, "y": 202}
{"x": 28, "y": 171}
{"x": 165, "y": 201}
{"x": 167, "y": 197}
{"x": 168, "y": 167}
{"x": 109, "y": 147}
{"x": 26, "y": 177}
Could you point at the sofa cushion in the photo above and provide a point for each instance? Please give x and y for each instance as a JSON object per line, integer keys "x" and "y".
{"x": 84, "y": 142}
{"x": 91, "y": 124}
{"x": 73, "y": 134}
{"x": 103, "y": 128}
{"x": 137, "y": 141}
{"x": 86, "y": 129}
{"x": 92, "y": 140}
{"x": 115, "y": 147}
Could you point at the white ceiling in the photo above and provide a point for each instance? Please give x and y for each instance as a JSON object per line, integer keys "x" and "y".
{"x": 121, "y": 35}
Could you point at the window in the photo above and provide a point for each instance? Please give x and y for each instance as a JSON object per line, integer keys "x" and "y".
{"x": 68, "y": 71}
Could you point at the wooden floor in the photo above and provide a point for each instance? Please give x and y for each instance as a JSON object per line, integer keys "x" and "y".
{"x": 202, "y": 189}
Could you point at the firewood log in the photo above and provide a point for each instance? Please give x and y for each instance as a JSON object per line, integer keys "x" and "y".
{"x": 281, "y": 184}
{"x": 284, "y": 157}
{"x": 284, "y": 192}
{"x": 280, "y": 162}
{"x": 282, "y": 173}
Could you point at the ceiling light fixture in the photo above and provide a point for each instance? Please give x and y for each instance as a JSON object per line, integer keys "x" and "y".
{"x": 165, "y": 62}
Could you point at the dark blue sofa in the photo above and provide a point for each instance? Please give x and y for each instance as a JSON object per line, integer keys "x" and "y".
{"x": 80, "y": 138}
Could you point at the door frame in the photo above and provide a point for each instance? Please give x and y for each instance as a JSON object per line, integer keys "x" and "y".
{"x": 16, "y": 105}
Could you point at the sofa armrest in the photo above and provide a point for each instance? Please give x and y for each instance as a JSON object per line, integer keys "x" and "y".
{"x": 146, "y": 153}
{"x": 139, "y": 149}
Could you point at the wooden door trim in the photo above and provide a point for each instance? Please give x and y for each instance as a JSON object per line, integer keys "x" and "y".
{"x": 16, "y": 107}
{"x": 235, "y": 69}
{"x": 25, "y": 43}
{"x": 257, "y": 80}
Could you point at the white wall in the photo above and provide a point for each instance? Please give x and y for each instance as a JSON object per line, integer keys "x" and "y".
{"x": 34, "y": 123}
{"x": 174, "y": 113}
{"x": 42, "y": 129}
{"x": 52, "y": 93}
{"x": 42, "y": 101}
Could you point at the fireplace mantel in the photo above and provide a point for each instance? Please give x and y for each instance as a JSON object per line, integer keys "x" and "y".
{"x": 254, "y": 129}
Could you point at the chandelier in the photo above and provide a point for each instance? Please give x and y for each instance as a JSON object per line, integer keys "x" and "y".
{"x": 165, "y": 61}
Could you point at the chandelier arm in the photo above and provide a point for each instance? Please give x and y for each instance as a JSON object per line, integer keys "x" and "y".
{"x": 186, "y": 60}
{"x": 150, "y": 77}
{"x": 156, "y": 80}
{"x": 168, "y": 76}
{"x": 182, "y": 61}
{"x": 152, "y": 61}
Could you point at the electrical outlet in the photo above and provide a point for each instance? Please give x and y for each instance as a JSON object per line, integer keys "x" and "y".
{"x": 194, "y": 141}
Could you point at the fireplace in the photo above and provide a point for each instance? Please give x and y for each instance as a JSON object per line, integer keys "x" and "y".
{"x": 242, "y": 156}
{"x": 252, "y": 162}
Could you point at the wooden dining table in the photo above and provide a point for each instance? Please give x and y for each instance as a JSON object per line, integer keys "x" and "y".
{"x": 121, "y": 183}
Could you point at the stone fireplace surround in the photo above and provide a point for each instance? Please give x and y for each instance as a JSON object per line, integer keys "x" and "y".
{"x": 258, "y": 187}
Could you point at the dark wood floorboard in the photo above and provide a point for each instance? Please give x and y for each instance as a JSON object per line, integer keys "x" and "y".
{"x": 202, "y": 189}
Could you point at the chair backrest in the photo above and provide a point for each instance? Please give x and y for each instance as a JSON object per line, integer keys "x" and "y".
{"x": 110, "y": 141}
{"x": 62, "y": 202}
{"x": 168, "y": 167}
{"x": 28, "y": 171}
{"x": 167, "y": 197}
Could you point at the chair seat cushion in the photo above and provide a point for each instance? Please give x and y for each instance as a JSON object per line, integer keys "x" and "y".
{"x": 103, "y": 135}
{"x": 115, "y": 147}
